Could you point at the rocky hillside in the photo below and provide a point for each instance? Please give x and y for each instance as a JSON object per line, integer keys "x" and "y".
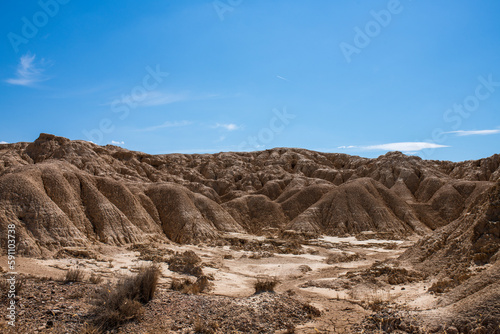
{"x": 62, "y": 193}
{"x": 465, "y": 256}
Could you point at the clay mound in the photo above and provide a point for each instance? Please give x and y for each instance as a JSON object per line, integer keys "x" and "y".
{"x": 63, "y": 193}
{"x": 303, "y": 199}
{"x": 356, "y": 206}
{"x": 256, "y": 213}
{"x": 454, "y": 253}
{"x": 54, "y": 205}
{"x": 473, "y": 238}
{"x": 188, "y": 217}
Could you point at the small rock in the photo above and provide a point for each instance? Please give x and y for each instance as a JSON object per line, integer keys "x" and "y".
{"x": 452, "y": 330}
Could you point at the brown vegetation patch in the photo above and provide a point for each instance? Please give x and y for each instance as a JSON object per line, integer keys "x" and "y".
{"x": 265, "y": 284}
{"x": 339, "y": 257}
{"x": 115, "y": 305}
{"x": 74, "y": 275}
{"x": 185, "y": 285}
{"x": 277, "y": 246}
{"x": 151, "y": 252}
{"x": 76, "y": 252}
{"x": 391, "y": 274}
{"x": 186, "y": 263}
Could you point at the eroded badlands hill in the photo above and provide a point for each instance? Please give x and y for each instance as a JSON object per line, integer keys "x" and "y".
{"x": 62, "y": 193}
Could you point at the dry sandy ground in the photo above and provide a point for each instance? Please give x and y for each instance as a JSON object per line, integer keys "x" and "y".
{"x": 234, "y": 274}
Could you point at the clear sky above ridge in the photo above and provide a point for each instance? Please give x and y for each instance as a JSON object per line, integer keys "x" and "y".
{"x": 355, "y": 77}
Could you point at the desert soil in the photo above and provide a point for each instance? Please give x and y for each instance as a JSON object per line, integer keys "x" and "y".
{"x": 47, "y": 305}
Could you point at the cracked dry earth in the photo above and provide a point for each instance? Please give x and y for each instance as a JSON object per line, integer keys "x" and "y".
{"x": 312, "y": 277}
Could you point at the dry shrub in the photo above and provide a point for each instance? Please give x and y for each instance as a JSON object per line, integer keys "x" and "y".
{"x": 151, "y": 252}
{"x": 186, "y": 286}
{"x": 123, "y": 302}
{"x": 5, "y": 285}
{"x": 186, "y": 263}
{"x": 392, "y": 274}
{"x": 442, "y": 285}
{"x": 204, "y": 327}
{"x": 304, "y": 268}
{"x": 377, "y": 304}
{"x": 90, "y": 329}
{"x": 95, "y": 279}
{"x": 311, "y": 310}
{"x": 75, "y": 252}
{"x": 269, "y": 245}
{"x": 260, "y": 255}
{"x": 265, "y": 284}
{"x": 377, "y": 300}
{"x": 290, "y": 329}
{"x": 74, "y": 275}
{"x": 339, "y": 257}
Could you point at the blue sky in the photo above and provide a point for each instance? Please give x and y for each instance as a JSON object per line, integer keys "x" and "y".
{"x": 356, "y": 77}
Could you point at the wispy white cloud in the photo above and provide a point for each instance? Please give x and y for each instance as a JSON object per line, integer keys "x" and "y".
{"x": 3, "y": 142}
{"x": 402, "y": 146}
{"x": 196, "y": 150}
{"x": 29, "y": 71}
{"x": 113, "y": 142}
{"x": 167, "y": 124}
{"x": 227, "y": 126}
{"x": 280, "y": 77}
{"x": 475, "y": 132}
